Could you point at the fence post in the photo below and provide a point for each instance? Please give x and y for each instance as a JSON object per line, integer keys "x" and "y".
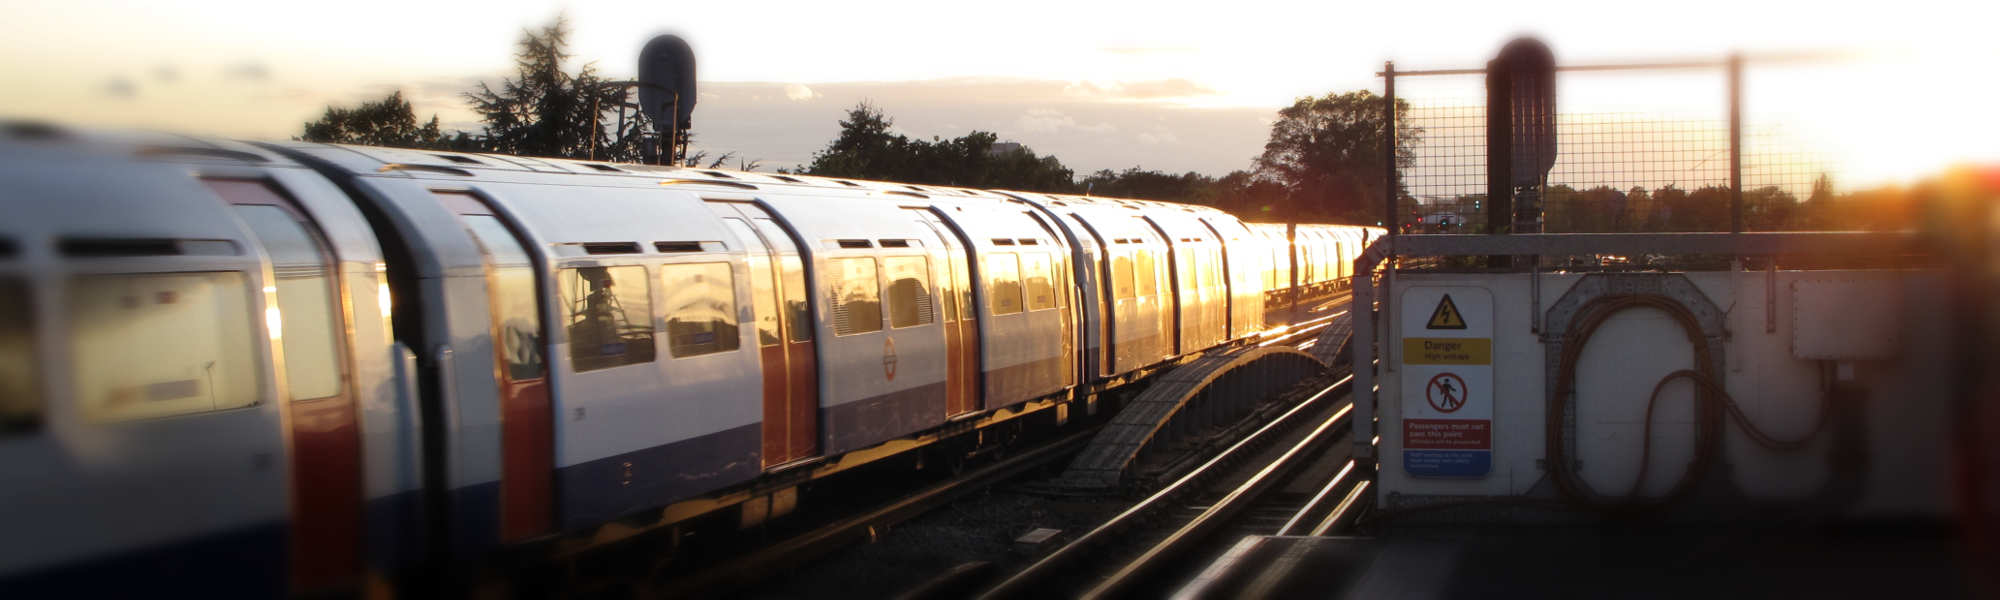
{"x": 1736, "y": 143}
{"x": 1389, "y": 216}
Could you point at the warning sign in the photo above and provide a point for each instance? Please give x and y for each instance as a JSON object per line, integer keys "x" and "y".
{"x": 1446, "y": 316}
{"x": 1447, "y": 434}
{"x": 1447, "y": 351}
{"x": 1447, "y": 381}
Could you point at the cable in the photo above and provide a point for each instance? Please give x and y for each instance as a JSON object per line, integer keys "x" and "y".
{"x": 1713, "y": 403}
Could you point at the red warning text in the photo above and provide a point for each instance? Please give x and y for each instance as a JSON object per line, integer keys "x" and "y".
{"x": 1447, "y": 434}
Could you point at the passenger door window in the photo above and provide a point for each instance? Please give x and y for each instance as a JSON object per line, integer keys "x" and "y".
{"x": 792, "y": 272}
{"x": 309, "y": 326}
{"x": 1145, "y": 273}
{"x": 1121, "y": 275}
{"x": 20, "y": 390}
{"x": 514, "y": 301}
{"x": 763, "y": 288}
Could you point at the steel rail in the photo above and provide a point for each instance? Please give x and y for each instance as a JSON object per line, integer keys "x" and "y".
{"x": 1313, "y": 504}
{"x": 1325, "y": 492}
{"x": 1340, "y": 512}
{"x": 806, "y": 546}
{"x": 1019, "y": 584}
{"x": 1197, "y": 529}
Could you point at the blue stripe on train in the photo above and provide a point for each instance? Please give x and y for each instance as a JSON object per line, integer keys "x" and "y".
{"x": 605, "y": 489}
{"x": 871, "y": 421}
{"x": 244, "y": 563}
{"x": 601, "y": 490}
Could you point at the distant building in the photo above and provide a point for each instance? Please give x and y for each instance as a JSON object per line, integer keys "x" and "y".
{"x": 1003, "y": 148}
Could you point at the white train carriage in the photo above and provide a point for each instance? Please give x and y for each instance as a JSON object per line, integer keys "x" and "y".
{"x": 653, "y": 390}
{"x": 1245, "y": 261}
{"x": 1132, "y": 283}
{"x": 573, "y": 343}
{"x": 883, "y": 351}
{"x": 192, "y": 327}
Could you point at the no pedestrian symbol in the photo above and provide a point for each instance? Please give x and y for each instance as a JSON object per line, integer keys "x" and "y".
{"x": 1446, "y": 392}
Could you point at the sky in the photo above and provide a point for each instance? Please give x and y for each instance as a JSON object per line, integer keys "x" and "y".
{"x": 1901, "y": 89}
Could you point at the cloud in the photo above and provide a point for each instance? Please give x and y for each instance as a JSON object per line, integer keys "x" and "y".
{"x": 1140, "y": 50}
{"x": 1086, "y": 129}
{"x": 120, "y": 87}
{"x": 247, "y": 71}
{"x": 1166, "y": 88}
{"x": 1153, "y": 90}
{"x": 1043, "y": 120}
{"x": 797, "y": 92}
{"x": 1159, "y": 135}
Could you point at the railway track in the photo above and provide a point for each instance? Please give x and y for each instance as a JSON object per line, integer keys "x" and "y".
{"x": 757, "y": 565}
{"x": 775, "y": 558}
{"x": 1177, "y": 520}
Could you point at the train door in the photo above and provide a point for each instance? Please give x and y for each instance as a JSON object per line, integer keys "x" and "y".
{"x": 326, "y": 437}
{"x": 1180, "y": 285}
{"x": 784, "y": 333}
{"x": 961, "y": 332}
{"x": 527, "y": 428}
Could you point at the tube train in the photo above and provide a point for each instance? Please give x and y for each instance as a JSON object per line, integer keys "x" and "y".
{"x": 205, "y": 389}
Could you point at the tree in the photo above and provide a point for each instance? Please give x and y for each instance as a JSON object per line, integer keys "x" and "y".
{"x": 1248, "y": 195}
{"x": 1819, "y": 206}
{"x": 1666, "y": 201}
{"x": 1152, "y": 185}
{"x": 385, "y": 122}
{"x": 867, "y": 149}
{"x": 1328, "y": 152}
{"x": 546, "y": 111}
{"x": 1770, "y": 208}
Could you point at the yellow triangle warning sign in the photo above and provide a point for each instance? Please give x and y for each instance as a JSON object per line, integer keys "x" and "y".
{"x": 1446, "y": 316}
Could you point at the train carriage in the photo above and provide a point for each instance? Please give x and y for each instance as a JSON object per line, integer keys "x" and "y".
{"x": 573, "y": 343}
{"x": 203, "y": 347}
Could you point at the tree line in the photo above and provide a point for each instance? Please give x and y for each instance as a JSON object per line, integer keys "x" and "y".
{"x": 1323, "y": 160}
{"x": 1323, "y": 163}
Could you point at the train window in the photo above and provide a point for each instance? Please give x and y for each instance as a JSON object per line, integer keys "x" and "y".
{"x": 857, "y": 303}
{"x": 1306, "y": 256}
{"x": 1036, "y": 276}
{"x": 1121, "y": 275}
{"x": 1204, "y": 270}
{"x": 1003, "y": 283}
{"x": 609, "y": 316}
{"x": 909, "y": 291}
{"x": 701, "y": 308}
{"x": 163, "y": 344}
{"x": 511, "y": 282}
{"x": 792, "y": 273}
{"x": 1145, "y": 273}
{"x": 305, "y": 301}
{"x": 1216, "y": 280}
{"x": 20, "y": 394}
{"x": 763, "y": 285}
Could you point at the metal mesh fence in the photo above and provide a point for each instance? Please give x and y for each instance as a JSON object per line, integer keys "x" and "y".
{"x": 1632, "y": 155}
